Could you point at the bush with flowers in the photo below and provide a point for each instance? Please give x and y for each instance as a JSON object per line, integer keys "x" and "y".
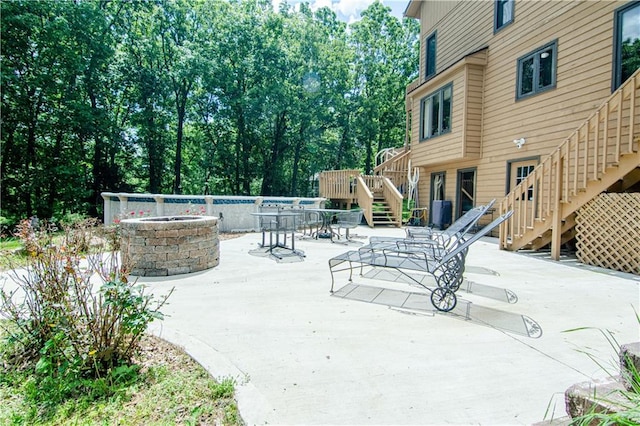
{"x": 73, "y": 316}
{"x": 192, "y": 210}
{"x": 112, "y": 232}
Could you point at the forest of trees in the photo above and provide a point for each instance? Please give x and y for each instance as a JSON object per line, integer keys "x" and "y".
{"x": 193, "y": 97}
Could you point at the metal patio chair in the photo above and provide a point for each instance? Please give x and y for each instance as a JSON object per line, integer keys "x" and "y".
{"x": 461, "y": 226}
{"x": 349, "y": 219}
{"x": 417, "y": 264}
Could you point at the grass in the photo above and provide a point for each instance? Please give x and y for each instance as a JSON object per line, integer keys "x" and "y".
{"x": 10, "y": 253}
{"x": 168, "y": 388}
{"x": 162, "y": 386}
{"x": 10, "y": 244}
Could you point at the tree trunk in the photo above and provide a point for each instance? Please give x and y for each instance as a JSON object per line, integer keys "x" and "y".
{"x": 181, "y": 104}
{"x": 240, "y": 136}
{"x": 53, "y": 178}
{"x": 269, "y": 184}
{"x": 297, "y": 153}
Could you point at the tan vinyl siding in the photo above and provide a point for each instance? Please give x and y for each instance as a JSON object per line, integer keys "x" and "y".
{"x": 434, "y": 11}
{"x": 469, "y": 28}
{"x": 491, "y": 117}
{"x": 447, "y": 146}
{"x": 583, "y": 76}
{"x": 465, "y": 138}
{"x": 444, "y": 147}
{"x": 473, "y": 107}
{"x": 460, "y": 18}
{"x": 464, "y": 18}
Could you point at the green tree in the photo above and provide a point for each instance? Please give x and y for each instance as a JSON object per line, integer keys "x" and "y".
{"x": 181, "y": 34}
{"x": 217, "y": 96}
{"x": 386, "y": 61}
{"x": 147, "y": 96}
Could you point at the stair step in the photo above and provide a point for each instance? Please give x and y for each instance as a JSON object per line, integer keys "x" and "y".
{"x": 385, "y": 222}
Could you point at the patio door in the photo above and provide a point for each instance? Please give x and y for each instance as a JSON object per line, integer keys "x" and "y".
{"x": 466, "y": 193}
{"x": 518, "y": 171}
{"x": 437, "y": 191}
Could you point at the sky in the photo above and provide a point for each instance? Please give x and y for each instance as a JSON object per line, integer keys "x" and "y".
{"x": 349, "y": 10}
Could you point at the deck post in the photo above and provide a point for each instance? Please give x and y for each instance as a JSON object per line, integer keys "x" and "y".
{"x": 556, "y": 225}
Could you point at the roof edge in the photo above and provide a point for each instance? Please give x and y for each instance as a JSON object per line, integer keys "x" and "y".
{"x": 413, "y": 9}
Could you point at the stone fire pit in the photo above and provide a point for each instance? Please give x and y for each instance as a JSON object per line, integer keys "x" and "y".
{"x": 160, "y": 246}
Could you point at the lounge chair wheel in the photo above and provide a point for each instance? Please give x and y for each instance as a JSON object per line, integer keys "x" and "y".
{"x": 443, "y": 299}
{"x": 450, "y": 280}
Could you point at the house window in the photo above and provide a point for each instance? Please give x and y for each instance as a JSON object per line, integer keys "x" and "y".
{"x": 503, "y": 14}
{"x": 537, "y": 71}
{"x": 430, "y": 56}
{"x": 435, "y": 113}
{"x": 626, "y": 47}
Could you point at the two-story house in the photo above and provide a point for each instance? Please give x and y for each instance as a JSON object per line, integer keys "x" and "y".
{"x": 507, "y": 87}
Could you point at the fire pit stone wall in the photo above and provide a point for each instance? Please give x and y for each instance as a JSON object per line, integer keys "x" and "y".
{"x": 161, "y": 246}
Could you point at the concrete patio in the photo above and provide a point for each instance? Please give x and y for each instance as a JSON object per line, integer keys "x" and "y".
{"x": 302, "y": 356}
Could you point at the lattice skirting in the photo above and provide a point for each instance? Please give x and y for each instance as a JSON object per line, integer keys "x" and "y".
{"x": 608, "y": 232}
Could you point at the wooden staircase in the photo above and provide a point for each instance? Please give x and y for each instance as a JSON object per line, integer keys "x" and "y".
{"x": 382, "y": 214}
{"x": 601, "y": 155}
{"x": 376, "y": 195}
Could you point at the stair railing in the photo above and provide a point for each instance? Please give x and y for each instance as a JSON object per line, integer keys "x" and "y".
{"x": 386, "y": 154}
{"x": 386, "y": 189}
{"x": 395, "y": 168}
{"x": 365, "y": 200}
{"x": 393, "y": 197}
{"x": 611, "y": 131}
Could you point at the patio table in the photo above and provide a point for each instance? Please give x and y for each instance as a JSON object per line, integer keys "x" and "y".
{"x": 279, "y": 224}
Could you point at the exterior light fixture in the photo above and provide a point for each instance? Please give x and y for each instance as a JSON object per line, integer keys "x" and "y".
{"x": 519, "y": 142}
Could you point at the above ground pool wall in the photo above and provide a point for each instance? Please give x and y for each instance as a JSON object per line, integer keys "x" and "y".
{"x": 233, "y": 212}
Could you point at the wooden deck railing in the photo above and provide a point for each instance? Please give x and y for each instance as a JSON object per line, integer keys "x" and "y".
{"x": 544, "y": 198}
{"x": 383, "y": 186}
{"x": 352, "y": 186}
{"x": 338, "y": 184}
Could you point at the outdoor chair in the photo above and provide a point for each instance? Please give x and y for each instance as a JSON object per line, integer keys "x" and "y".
{"x": 279, "y": 220}
{"x": 437, "y": 243}
{"x": 464, "y": 224}
{"x": 412, "y": 261}
{"x": 311, "y": 220}
{"x": 349, "y": 219}
{"x": 267, "y": 224}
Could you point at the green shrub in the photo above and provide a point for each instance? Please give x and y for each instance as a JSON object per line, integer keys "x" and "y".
{"x": 628, "y": 400}
{"x": 6, "y": 224}
{"x": 73, "y": 319}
